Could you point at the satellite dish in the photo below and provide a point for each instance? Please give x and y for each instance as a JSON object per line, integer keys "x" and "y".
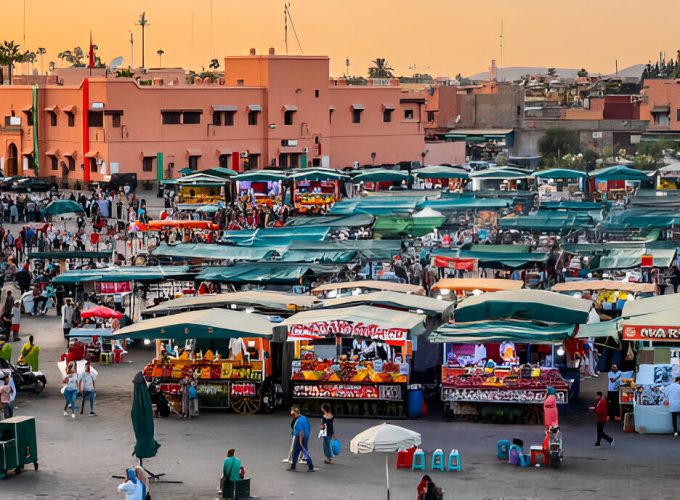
{"x": 114, "y": 64}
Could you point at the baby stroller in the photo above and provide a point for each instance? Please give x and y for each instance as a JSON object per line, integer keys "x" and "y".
{"x": 555, "y": 446}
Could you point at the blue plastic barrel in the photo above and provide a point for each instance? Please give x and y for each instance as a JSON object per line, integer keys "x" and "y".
{"x": 415, "y": 401}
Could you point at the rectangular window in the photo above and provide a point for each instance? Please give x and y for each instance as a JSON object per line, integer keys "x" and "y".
{"x": 252, "y": 117}
{"x": 240, "y": 82}
{"x": 356, "y": 115}
{"x": 191, "y": 118}
{"x": 677, "y": 116}
{"x": 171, "y": 117}
{"x": 316, "y": 93}
{"x": 253, "y": 161}
{"x": 288, "y": 117}
{"x": 224, "y": 161}
{"x": 53, "y": 119}
{"x": 430, "y": 116}
{"x": 95, "y": 119}
{"x": 54, "y": 162}
{"x": 387, "y": 115}
{"x": 217, "y": 118}
{"x": 29, "y": 118}
{"x": 229, "y": 118}
{"x": 115, "y": 121}
{"x": 71, "y": 163}
{"x": 147, "y": 164}
{"x": 408, "y": 114}
{"x": 71, "y": 119}
{"x": 330, "y": 115}
{"x": 93, "y": 165}
{"x": 193, "y": 162}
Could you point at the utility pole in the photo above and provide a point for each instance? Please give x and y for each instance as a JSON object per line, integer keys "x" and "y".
{"x": 132, "y": 50}
{"x": 143, "y": 22}
{"x": 285, "y": 25}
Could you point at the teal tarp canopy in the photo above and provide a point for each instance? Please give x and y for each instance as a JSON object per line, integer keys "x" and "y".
{"x": 261, "y": 175}
{"x": 599, "y": 329}
{"x": 619, "y": 173}
{"x": 213, "y": 252}
{"x": 186, "y": 171}
{"x": 323, "y": 256}
{"x": 267, "y": 273}
{"x": 69, "y": 255}
{"x": 60, "y": 207}
{"x": 317, "y": 174}
{"x": 572, "y": 205}
{"x": 623, "y": 255}
{"x": 640, "y": 218}
{"x": 527, "y": 305}
{"x": 396, "y": 226}
{"x": 453, "y": 204}
{"x": 547, "y": 222}
{"x": 496, "y": 258}
{"x": 370, "y": 249}
{"x": 441, "y": 172}
{"x": 376, "y": 205}
{"x": 358, "y": 220}
{"x": 521, "y": 332}
{"x": 560, "y": 173}
{"x": 280, "y": 236}
{"x": 220, "y": 172}
{"x": 501, "y": 173}
{"x": 381, "y": 175}
{"x": 128, "y": 273}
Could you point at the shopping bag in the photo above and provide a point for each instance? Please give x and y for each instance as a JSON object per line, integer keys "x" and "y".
{"x": 335, "y": 447}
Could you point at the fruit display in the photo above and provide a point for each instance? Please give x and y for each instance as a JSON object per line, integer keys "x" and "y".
{"x": 357, "y": 372}
{"x": 477, "y": 378}
{"x": 207, "y": 367}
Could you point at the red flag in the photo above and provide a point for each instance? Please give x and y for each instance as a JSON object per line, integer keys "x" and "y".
{"x": 91, "y": 53}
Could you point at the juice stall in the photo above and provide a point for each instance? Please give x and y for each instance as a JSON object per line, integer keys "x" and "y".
{"x": 260, "y": 187}
{"x": 358, "y": 358}
{"x": 315, "y": 189}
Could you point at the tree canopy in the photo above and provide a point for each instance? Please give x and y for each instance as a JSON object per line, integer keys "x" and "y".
{"x": 558, "y": 142}
{"x": 380, "y": 69}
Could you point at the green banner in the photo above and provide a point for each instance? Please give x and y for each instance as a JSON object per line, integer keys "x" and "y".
{"x": 159, "y": 166}
{"x": 36, "y": 153}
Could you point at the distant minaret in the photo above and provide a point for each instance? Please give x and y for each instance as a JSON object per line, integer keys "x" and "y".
{"x": 493, "y": 71}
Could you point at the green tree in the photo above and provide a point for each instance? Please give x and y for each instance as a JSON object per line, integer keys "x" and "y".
{"x": 552, "y": 72}
{"x": 582, "y": 72}
{"x": 380, "y": 69}
{"x": 214, "y": 64}
{"x": 558, "y": 142}
{"x": 160, "y": 53}
{"x": 41, "y": 52}
{"x": 10, "y": 54}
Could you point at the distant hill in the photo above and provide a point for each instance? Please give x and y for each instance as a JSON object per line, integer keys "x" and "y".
{"x": 516, "y": 72}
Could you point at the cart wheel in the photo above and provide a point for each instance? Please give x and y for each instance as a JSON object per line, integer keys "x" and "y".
{"x": 35, "y": 465}
{"x": 246, "y": 404}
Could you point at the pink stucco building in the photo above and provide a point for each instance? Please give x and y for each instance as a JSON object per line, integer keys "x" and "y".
{"x": 267, "y": 110}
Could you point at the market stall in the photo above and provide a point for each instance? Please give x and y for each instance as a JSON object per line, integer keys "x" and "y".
{"x": 232, "y": 370}
{"x": 438, "y": 176}
{"x": 261, "y": 187}
{"x": 359, "y": 358}
{"x": 378, "y": 179}
{"x": 617, "y": 181}
{"x": 315, "y": 189}
{"x": 333, "y": 290}
{"x": 560, "y": 184}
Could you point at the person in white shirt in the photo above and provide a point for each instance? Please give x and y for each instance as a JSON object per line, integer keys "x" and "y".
{"x": 86, "y": 388}
{"x": 613, "y": 383}
{"x": 673, "y": 394}
{"x": 132, "y": 487}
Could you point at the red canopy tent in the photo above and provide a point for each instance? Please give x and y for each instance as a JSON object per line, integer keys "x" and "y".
{"x": 101, "y": 312}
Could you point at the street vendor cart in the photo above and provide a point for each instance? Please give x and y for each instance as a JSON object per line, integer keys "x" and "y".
{"x": 235, "y": 372}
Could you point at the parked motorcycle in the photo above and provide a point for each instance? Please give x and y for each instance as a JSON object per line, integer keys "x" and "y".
{"x": 25, "y": 379}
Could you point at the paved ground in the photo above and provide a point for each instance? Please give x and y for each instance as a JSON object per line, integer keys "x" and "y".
{"x": 78, "y": 457}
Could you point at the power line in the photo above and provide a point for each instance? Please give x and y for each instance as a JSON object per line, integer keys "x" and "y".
{"x": 288, "y": 17}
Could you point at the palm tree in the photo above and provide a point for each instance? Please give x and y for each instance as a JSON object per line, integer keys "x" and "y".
{"x": 160, "y": 53}
{"x": 380, "y": 69}
{"x": 143, "y": 22}
{"x": 10, "y": 53}
{"x": 51, "y": 66}
{"x": 214, "y": 64}
{"x": 30, "y": 57}
{"x": 41, "y": 52}
{"x": 78, "y": 56}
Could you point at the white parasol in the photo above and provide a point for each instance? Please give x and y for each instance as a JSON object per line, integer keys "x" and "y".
{"x": 386, "y": 438}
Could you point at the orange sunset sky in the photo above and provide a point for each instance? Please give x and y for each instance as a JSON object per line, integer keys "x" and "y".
{"x": 441, "y": 37}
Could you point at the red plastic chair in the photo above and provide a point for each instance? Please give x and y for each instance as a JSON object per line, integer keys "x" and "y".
{"x": 405, "y": 458}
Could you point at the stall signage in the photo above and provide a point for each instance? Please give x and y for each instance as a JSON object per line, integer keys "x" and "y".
{"x": 108, "y": 287}
{"x": 662, "y": 333}
{"x": 324, "y": 329}
{"x": 462, "y": 264}
{"x": 500, "y": 395}
{"x": 347, "y": 391}
{"x": 243, "y": 389}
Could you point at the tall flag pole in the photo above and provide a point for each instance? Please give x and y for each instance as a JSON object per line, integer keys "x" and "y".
{"x": 91, "y": 54}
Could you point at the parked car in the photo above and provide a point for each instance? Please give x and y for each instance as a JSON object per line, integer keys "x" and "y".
{"x": 32, "y": 184}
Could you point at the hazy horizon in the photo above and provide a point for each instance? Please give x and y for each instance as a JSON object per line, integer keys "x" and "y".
{"x": 442, "y": 37}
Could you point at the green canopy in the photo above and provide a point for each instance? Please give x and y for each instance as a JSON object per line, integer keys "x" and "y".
{"x": 76, "y": 254}
{"x": 205, "y": 324}
{"x": 619, "y": 173}
{"x": 651, "y": 305}
{"x": 369, "y": 249}
{"x": 127, "y": 273}
{"x": 453, "y": 204}
{"x": 323, "y": 256}
{"x": 560, "y": 173}
{"x": 394, "y": 227}
{"x": 274, "y": 273}
{"x": 142, "y": 420}
{"x": 213, "y": 252}
{"x": 381, "y": 175}
{"x": 226, "y": 173}
{"x": 261, "y": 175}
{"x": 503, "y": 258}
{"x": 640, "y": 218}
{"x": 573, "y": 205}
{"x": 377, "y": 205}
{"x": 280, "y": 236}
{"x": 317, "y": 174}
{"x": 556, "y": 222}
{"x": 501, "y": 173}
{"x": 521, "y": 332}
{"x": 441, "y": 172}
{"x": 186, "y": 171}
{"x": 528, "y": 305}
{"x": 61, "y": 207}
{"x": 393, "y": 300}
{"x": 625, "y": 258}
{"x": 358, "y": 220}
{"x": 600, "y": 329}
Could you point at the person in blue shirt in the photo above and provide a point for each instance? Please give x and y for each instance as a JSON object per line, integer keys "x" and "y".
{"x": 301, "y": 431}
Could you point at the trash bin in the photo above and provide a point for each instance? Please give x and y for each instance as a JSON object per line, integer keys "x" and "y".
{"x": 22, "y": 431}
{"x": 415, "y": 401}
{"x": 117, "y": 355}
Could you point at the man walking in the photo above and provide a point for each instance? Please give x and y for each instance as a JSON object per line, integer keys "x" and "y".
{"x": 601, "y": 417}
{"x": 86, "y": 388}
{"x": 301, "y": 432}
{"x": 673, "y": 394}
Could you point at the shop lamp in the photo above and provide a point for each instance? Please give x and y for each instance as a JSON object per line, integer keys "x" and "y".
{"x": 356, "y": 291}
{"x": 250, "y": 310}
{"x": 476, "y": 292}
{"x": 147, "y": 342}
{"x": 233, "y": 306}
{"x": 419, "y": 311}
{"x": 445, "y": 291}
{"x": 560, "y": 351}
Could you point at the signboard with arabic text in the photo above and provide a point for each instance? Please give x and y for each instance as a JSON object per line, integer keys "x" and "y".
{"x": 652, "y": 333}
{"x": 500, "y": 395}
{"x": 348, "y": 391}
{"x": 342, "y": 328}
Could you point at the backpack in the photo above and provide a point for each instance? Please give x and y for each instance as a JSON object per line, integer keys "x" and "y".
{"x": 193, "y": 394}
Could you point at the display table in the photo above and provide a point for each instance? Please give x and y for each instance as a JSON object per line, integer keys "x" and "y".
{"x": 652, "y": 419}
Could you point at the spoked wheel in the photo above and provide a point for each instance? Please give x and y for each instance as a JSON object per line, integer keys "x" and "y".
{"x": 246, "y": 404}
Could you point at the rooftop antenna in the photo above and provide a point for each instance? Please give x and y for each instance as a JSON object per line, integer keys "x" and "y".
{"x": 212, "y": 41}
{"x": 289, "y": 17}
{"x": 501, "y": 43}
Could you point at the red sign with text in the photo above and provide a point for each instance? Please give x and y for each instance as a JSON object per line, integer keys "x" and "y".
{"x": 652, "y": 333}
{"x": 109, "y": 288}
{"x": 333, "y": 328}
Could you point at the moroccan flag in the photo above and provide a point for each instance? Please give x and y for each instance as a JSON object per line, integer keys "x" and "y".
{"x": 91, "y": 53}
